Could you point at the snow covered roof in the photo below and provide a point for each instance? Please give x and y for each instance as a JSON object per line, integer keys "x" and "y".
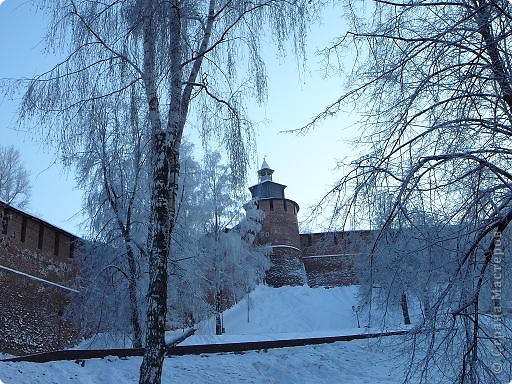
{"x": 267, "y": 189}
{"x": 265, "y": 165}
{"x": 268, "y": 181}
{"x": 38, "y": 219}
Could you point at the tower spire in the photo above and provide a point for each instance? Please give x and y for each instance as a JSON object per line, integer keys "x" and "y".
{"x": 265, "y": 173}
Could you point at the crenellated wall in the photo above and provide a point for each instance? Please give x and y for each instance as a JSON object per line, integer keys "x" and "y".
{"x": 33, "y": 233}
{"x": 330, "y": 257}
{"x": 31, "y": 310}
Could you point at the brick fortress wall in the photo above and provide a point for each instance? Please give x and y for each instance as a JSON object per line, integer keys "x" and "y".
{"x": 330, "y": 258}
{"x": 280, "y": 230}
{"x": 30, "y": 310}
{"x": 280, "y": 225}
{"x": 318, "y": 259}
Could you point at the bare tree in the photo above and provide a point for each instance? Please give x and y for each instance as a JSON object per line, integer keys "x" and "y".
{"x": 14, "y": 178}
{"x": 433, "y": 82}
{"x": 104, "y": 306}
{"x": 172, "y": 53}
{"x": 113, "y": 172}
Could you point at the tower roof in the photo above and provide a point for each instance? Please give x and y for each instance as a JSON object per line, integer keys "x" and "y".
{"x": 264, "y": 165}
{"x": 265, "y": 173}
{"x": 266, "y": 188}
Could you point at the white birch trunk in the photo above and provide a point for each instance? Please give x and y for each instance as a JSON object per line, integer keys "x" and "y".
{"x": 165, "y": 170}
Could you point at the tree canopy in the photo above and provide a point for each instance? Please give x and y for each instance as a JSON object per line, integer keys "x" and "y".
{"x": 163, "y": 57}
{"x": 14, "y": 178}
{"x": 433, "y": 84}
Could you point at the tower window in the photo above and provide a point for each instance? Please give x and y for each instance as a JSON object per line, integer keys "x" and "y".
{"x": 271, "y": 204}
{"x": 284, "y": 205}
{"x": 41, "y": 236}
{"x": 23, "y": 229}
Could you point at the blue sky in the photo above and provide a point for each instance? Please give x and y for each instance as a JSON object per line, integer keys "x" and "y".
{"x": 21, "y": 43}
{"x": 304, "y": 163}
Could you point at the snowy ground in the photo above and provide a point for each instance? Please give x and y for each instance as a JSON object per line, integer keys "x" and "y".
{"x": 290, "y": 312}
{"x": 289, "y": 309}
{"x": 354, "y": 362}
{"x": 271, "y": 314}
{"x": 285, "y": 312}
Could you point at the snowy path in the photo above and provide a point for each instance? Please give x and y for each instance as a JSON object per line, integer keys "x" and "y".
{"x": 349, "y": 363}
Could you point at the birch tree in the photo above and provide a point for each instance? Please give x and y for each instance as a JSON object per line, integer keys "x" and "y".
{"x": 112, "y": 170}
{"x": 432, "y": 81}
{"x": 113, "y": 263}
{"x": 171, "y": 53}
{"x": 103, "y": 307}
{"x": 14, "y": 178}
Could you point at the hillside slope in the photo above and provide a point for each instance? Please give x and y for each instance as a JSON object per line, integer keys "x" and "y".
{"x": 289, "y": 310}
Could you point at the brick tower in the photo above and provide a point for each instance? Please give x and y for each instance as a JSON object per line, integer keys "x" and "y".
{"x": 280, "y": 230}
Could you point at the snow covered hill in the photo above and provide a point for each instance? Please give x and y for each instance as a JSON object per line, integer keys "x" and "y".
{"x": 294, "y": 312}
{"x": 345, "y": 363}
{"x": 271, "y": 313}
{"x": 287, "y": 309}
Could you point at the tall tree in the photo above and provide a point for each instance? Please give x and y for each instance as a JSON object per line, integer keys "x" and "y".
{"x": 171, "y": 53}
{"x": 230, "y": 265}
{"x": 215, "y": 262}
{"x": 434, "y": 83}
{"x": 113, "y": 263}
{"x": 113, "y": 172}
{"x": 14, "y": 178}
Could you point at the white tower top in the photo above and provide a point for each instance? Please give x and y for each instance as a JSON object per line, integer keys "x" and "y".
{"x": 265, "y": 173}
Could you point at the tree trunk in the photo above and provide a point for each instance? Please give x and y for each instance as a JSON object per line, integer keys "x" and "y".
{"x": 165, "y": 145}
{"x": 426, "y": 303}
{"x": 218, "y": 324}
{"x": 248, "y": 306}
{"x": 218, "y": 310}
{"x": 163, "y": 202}
{"x": 405, "y": 309}
{"x": 134, "y": 305}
